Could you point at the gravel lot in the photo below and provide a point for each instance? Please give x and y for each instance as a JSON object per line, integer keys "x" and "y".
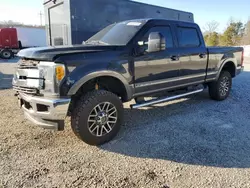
{"x": 192, "y": 142}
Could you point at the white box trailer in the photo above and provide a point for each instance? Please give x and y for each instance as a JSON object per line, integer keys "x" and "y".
{"x": 73, "y": 21}
{"x": 31, "y": 37}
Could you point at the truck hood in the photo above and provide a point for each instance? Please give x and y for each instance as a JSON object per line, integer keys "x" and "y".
{"x": 51, "y": 53}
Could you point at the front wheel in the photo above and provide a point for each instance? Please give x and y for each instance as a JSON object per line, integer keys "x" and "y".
{"x": 97, "y": 117}
{"x": 220, "y": 89}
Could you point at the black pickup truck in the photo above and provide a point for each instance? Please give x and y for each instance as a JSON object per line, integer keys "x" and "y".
{"x": 128, "y": 60}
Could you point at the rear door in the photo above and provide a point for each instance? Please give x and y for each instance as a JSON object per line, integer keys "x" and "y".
{"x": 192, "y": 53}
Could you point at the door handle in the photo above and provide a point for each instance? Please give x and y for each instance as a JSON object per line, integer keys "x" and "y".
{"x": 174, "y": 58}
{"x": 202, "y": 55}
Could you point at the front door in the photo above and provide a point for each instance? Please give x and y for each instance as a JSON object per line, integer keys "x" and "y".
{"x": 154, "y": 71}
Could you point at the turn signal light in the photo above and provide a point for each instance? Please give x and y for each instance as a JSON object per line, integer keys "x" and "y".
{"x": 60, "y": 72}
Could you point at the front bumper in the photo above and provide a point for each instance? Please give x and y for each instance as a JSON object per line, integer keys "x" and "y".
{"x": 44, "y": 112}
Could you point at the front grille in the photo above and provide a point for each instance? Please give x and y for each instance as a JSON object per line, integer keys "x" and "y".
{"x": 27, "y": 64}
{"x": 25, "y": 90}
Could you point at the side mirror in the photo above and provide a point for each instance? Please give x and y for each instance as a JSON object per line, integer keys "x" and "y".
{"x": 156, "y": 42}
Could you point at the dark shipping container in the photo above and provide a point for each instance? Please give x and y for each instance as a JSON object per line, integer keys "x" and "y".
{"x": 74, "y": 21}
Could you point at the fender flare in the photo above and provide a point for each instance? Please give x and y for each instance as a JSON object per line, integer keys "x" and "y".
{"x": 222, "y": 66}
{"x": 86, "y": 78}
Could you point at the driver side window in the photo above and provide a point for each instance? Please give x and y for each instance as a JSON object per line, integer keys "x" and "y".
{"x": 164, "y": 30}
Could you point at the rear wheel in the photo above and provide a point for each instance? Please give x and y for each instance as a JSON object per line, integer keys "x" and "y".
{"x": 6, "y": 54}
{"x": 220, "y": 89}
{"x": 97, "y": 117}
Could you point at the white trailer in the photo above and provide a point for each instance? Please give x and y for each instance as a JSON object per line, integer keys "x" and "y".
{"x": 31, "y": 37}
{"x": 14, "y": 39}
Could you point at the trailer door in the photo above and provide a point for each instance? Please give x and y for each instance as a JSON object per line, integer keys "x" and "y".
{"x": 57, "y": 27}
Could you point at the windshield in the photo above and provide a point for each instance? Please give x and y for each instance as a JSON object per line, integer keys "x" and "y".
{"x": 117, "y": 34}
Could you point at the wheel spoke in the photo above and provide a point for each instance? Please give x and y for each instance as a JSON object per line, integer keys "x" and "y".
{"x": 96, "y": 113}
{"x": 111, "y": 121}
{"x": 112, "y": 113}
{"x": 107, "y": 106}
{"x": 91, "y": 126}
{"x": 113, "y": 108}
{"x": 92, "y": 130}
{"x": 104, "y": 108}
{"x": 92, "y": 116}
{"x": 99, "y": 108}
{"x": 97, "y": 131}
{"x": 101, "y": 131}
{"x": 105, "y": 129}
{"x": 109, "y": 127}
{"x": 113, "y": 117}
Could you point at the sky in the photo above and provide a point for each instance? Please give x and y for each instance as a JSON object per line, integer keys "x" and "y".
{"x": 27, "y": 11}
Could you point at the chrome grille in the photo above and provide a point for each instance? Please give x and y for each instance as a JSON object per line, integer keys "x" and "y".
{"x": 25, "y": 90}
{"x": 27, "y": 64}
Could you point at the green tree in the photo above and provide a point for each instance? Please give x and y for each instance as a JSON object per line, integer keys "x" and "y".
{"x": 212, "y": 39}
{"x": 233, "y": 34}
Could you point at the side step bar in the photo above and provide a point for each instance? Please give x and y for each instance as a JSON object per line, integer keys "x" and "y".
{"x": 156, "y": 101}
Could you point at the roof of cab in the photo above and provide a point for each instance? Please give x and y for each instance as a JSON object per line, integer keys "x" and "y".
{"x": 147, "y": 20}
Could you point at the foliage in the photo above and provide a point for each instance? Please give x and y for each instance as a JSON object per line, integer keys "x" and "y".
{"x": 235, "y": 34}
{"x": 246, "y": 36}
{"x": 11, "y": 23}
{"x": 212, "y": 39}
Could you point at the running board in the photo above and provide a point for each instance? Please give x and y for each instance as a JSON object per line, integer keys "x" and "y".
{"x": 156, "y": 101}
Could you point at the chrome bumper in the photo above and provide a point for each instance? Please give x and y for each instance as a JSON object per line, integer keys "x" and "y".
{"x": 46, "y": 113}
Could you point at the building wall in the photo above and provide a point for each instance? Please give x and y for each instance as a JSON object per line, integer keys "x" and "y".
{"x": 83, "y": 18}
{"x": 90, "y": 16}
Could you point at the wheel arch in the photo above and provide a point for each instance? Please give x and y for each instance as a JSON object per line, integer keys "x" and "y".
{"x": 103, "y": 74}
{"x": 229, "y": 66}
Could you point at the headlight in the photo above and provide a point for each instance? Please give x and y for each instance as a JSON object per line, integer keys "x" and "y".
{"x": 53, "y": 74}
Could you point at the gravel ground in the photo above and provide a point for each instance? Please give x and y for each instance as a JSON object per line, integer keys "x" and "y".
{"x": 191, "y": 142}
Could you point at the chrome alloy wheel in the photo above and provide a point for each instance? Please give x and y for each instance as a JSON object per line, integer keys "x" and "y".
{"x": 102, "y": 119}
{"x": 224, "y": 86}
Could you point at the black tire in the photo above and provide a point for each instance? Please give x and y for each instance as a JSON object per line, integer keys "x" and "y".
{"x": 220, "y": 89}
{"x": 6, "y": 54}
{"x": 81, "y": 116}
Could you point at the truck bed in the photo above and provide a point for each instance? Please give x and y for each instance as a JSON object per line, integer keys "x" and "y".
{"x": 217, "y": 55}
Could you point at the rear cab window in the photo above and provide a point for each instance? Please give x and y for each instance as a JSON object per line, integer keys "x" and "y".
{"x": 188, "y": 37}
